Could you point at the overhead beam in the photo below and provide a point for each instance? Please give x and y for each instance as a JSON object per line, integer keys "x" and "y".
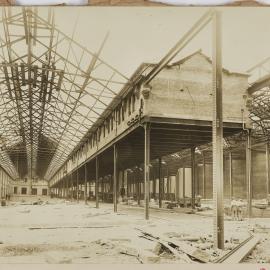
{"x": 182, "y": 43}
{"x": 259, "y": 84}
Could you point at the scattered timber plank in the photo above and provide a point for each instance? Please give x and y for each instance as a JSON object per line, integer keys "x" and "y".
{"x": 142, "y": 255}
{"x": 137, "y": 256}
{"x": 175, "y": 252}
{"x": 239, "y": 253}
{"x": 70, "y": 227}
{"x": 192, "y": 252}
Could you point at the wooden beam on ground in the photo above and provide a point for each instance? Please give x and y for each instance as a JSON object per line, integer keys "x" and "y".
{"x": 238, "y": 254}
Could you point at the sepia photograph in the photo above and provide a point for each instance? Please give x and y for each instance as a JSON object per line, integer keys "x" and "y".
{"x": 134, "y": 135}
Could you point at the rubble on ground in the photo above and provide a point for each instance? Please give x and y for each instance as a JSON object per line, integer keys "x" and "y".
{"x": 171, "y": 239}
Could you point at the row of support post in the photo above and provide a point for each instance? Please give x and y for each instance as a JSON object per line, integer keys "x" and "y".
{"x": 217, "y": 134}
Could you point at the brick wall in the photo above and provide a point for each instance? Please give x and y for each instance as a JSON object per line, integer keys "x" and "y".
{"x": 239, "y": 177}
{"x": 185, "y": 92}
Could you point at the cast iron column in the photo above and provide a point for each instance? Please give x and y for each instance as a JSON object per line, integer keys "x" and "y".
{"x": 146, "y": 168}
{"x": 96, "y": 184}
{"x": 217, "y": 134}
{"x": 160, "y": 182}
{"x": 115, "y": 177}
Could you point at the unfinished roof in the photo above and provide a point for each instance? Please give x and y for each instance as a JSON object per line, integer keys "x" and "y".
{"x": 53, "y": 90}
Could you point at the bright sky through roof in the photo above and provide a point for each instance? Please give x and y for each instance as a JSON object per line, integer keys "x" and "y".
{"x": 146, "y": 34}
{"x": 140, "y": 34}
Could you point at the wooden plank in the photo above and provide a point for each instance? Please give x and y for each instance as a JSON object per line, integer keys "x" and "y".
{"x": 165, "y": 244}
{"x": 241, "y": 253}
{"x": 191, "y": 251}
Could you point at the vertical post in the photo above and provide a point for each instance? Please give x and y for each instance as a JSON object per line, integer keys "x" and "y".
{"x": 85, "y": 183}
{"x": 70, "y": 186}
{"x": 128, "y": 184}
{"x": 64, "y": 186}
{"x": 193, "y": 181}
{"x": 123, "y": 184}
{"x": 267, "y": 169}
{"x": 96, "y": 184}
{"x": 154, "y": 182}
{"x": 248, "y": 174}
{"x": 203, "y": 177}
{"x": 138, "y": 186}
{"x": 115, "y": 177}
{"x": 184, "y": 186}
{"x": 134, "y": 190}
{"x": 177, "y": 185}
{"x": 77, "y": 185}
{"x": 89, "y": 189}
{"x": 160, "y": 182}
{"x": 67, "y": 186}
{"x": 217, "y": 134}
{"x": 146, "y": 169}
{"x": 168, "y": 183}
{"x": 102, "y": 189}
{"x": 230, "y": 175}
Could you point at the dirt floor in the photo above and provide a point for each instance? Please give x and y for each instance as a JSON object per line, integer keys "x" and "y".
{"x": 60, "y": 231}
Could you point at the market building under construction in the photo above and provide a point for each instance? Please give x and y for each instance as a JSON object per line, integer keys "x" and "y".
{"x": 170, "y": 164}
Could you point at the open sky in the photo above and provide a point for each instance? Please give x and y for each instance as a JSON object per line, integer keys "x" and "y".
{"x": 145, "y": 34}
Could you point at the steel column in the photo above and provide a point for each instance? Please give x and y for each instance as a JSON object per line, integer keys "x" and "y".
{"x": 203, "y": 177}
{"x": 85, "y": 183}
{"x": 77, "y": 185}
{"x": 137, "y": 179}
{"x": 115, "y": 177}
{"x": 217, "y": 134}
{"x": 102, "y": 189}
{"x": 248, "y": 174}
{"x": 267, "y": 169}
{"x": 177, "y": 185}
{"x": 230, "y": 175}
{"x": 146, "y": 168}
{"x": 154, "y": 183}
{"x": 184, "y": 186}
{"x": 159, "y": 182}
{"x": 193, "y": 179}
{"x": 128, "y": 184}
{"x": 168, "y": 183}
{"x": 96, "y": 183}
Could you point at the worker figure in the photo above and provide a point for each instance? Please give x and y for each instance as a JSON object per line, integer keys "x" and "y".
{"x": 122, "y": 194}
{"x": 240, "y": 211}
{"x": 237, "y": 209}
{"x": 234, "y": 209}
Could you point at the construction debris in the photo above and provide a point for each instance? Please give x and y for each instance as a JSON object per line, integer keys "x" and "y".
{"x": 240, "y": 252}
{"x": 260, "y": 229}
{"x": 137, "y": 256}
{"x": 70, "y": 227}
{"x": 175, "y": 247}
